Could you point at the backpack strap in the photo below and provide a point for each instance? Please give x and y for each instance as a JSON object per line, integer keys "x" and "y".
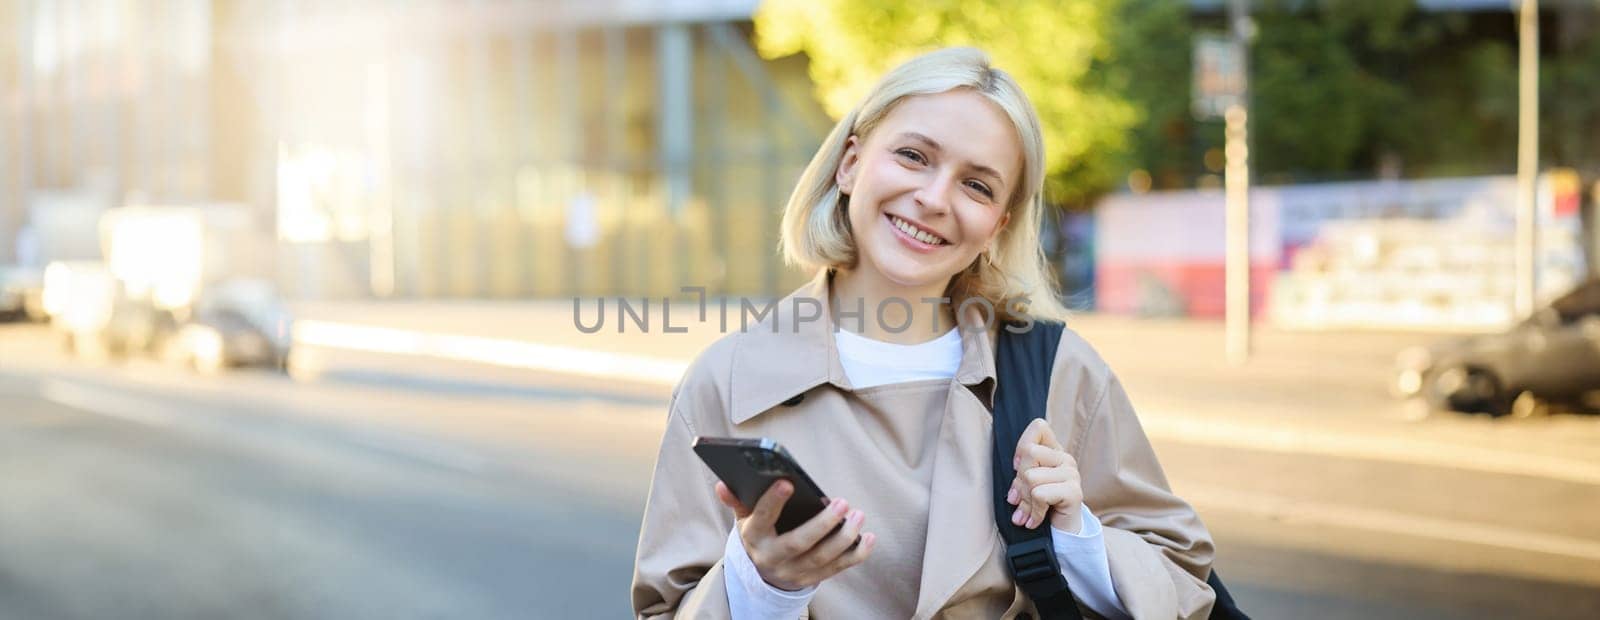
{"x": 1022, "y": 368}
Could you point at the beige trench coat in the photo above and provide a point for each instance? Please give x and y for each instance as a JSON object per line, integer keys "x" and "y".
{"x": 1159, "y": 552}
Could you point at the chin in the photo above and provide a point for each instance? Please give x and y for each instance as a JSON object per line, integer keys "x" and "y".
{"x": 911, "y": 275}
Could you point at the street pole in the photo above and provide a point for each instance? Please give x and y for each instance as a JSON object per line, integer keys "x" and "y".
{"x": 1527, "y": 154}
{"x": 1236, "y": 185}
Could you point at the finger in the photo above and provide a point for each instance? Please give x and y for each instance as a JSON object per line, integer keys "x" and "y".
{"x": 1030, "y": 437}
{"x": 771, "y": 504}
{"x": 1028, "y": 504}
{"x": 1039, "y": 476}
{"x": 1026, "y": 510}
{"x": 838, "y": 543}
{"x": 1037, "y": 507}
{"x": 1024, "y": 496}
{"x": 1038, "y": 455}
{"x": 803, "y": 538}
{"x": 852, "y": 557}
{"x": 728, "y": 499}
{"x": 1062, "y": 496}
{"x": 1023, "y": 493}
{"x": 1039, "y": 432}
{"x": 1045, "y": 492}
{"x": 1034, "y": 456}
{"x": 1036, "y": 512}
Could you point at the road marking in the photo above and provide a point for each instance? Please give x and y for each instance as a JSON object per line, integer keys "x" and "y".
{"x": 107, "y": 403}
{"x": 498, "y": 352}
{"x": 1389, "y": 522}
{"x": 1231, "y": 434}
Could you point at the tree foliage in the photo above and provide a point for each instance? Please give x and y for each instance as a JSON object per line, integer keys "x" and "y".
{"x": 1150, "y": 65}
{"x": 1051, "y": 47}
{"x": 1339, "y": 87}
{"x": 1335, "y": 84}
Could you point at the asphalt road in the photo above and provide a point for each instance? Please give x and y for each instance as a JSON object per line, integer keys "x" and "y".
{"x": 388, "y": 491}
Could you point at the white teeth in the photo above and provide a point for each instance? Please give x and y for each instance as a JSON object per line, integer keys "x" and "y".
{"x": 915, "y": 232}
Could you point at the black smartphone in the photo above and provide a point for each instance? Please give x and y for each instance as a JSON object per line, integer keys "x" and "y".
{"x": 750, "y": 466}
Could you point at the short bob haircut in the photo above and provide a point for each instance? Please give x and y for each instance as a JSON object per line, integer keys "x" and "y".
{"x": 816, "y": 228}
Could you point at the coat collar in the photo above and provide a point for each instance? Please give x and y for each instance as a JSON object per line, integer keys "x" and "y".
{"x": 792, "y": 350}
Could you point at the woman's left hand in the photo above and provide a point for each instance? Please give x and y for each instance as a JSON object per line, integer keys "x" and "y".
{"x": 1047, "y": 482}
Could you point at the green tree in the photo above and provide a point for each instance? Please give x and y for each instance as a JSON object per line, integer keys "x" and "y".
{"x": 1150, "y": 65}
{"x": 1309, "y": 94}
{"x": 1329, "y": 84}
{"x": 1050, "y": 46}
{"x": 1570, "y": 99}
{"x": 1341, "y": 84}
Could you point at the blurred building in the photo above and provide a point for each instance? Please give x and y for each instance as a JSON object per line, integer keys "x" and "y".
{"x": 1386, "y": 254}
{"x": 487, "y": 148}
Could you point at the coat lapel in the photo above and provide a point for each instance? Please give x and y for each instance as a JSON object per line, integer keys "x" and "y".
{"x": 787, "y": 353}
{"x": 958, "y": 504}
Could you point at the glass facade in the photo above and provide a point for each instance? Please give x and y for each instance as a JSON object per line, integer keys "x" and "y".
{"x": 425, "y": 149}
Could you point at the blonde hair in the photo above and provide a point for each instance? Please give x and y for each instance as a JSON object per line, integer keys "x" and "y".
{"x": 816, "y": 230}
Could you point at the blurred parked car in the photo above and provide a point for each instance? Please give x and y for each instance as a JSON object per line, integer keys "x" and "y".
{"x": 88, "y": 307}
{"x": 21, "y": 293}
{"x": 1553, "y": 357}
{"x": 200, "y": 270}
{"x": 234, "y": 323}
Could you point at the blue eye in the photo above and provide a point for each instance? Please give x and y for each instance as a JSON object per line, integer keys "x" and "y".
{"x": 912, "y": 155}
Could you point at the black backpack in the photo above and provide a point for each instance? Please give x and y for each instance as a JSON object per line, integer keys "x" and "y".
{"x": 1022, "y": 363}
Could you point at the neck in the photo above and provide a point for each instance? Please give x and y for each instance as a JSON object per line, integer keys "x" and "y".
{"x": 868, "y": 290}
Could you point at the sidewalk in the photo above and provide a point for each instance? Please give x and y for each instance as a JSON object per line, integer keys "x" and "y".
{"x": 1311, "y": 393}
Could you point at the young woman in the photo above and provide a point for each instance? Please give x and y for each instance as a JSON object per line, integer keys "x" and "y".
{"x": 882, "y": 390}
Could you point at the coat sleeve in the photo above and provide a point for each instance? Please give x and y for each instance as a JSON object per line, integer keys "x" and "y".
{"x": 678, "y": 566}
{"x": 1159, "y": 551}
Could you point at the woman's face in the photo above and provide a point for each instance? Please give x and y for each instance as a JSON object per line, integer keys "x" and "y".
{"x": 928, "y": 187}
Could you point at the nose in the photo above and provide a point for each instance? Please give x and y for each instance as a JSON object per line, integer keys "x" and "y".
{"x": 934, "y": 195}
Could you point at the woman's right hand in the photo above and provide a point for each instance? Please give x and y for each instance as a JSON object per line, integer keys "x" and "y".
{"x": 806, "y": 555}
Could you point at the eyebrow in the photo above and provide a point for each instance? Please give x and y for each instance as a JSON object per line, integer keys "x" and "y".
{"x": 934, "y": 144}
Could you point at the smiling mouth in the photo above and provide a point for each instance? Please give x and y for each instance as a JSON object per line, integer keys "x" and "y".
{"x": 916, "y": 233}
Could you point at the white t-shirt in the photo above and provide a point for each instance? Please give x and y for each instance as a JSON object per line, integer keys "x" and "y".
{"x": 867, "y": 363}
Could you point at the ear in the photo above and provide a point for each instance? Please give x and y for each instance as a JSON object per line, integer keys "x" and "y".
{"x": 846, "y": 174}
